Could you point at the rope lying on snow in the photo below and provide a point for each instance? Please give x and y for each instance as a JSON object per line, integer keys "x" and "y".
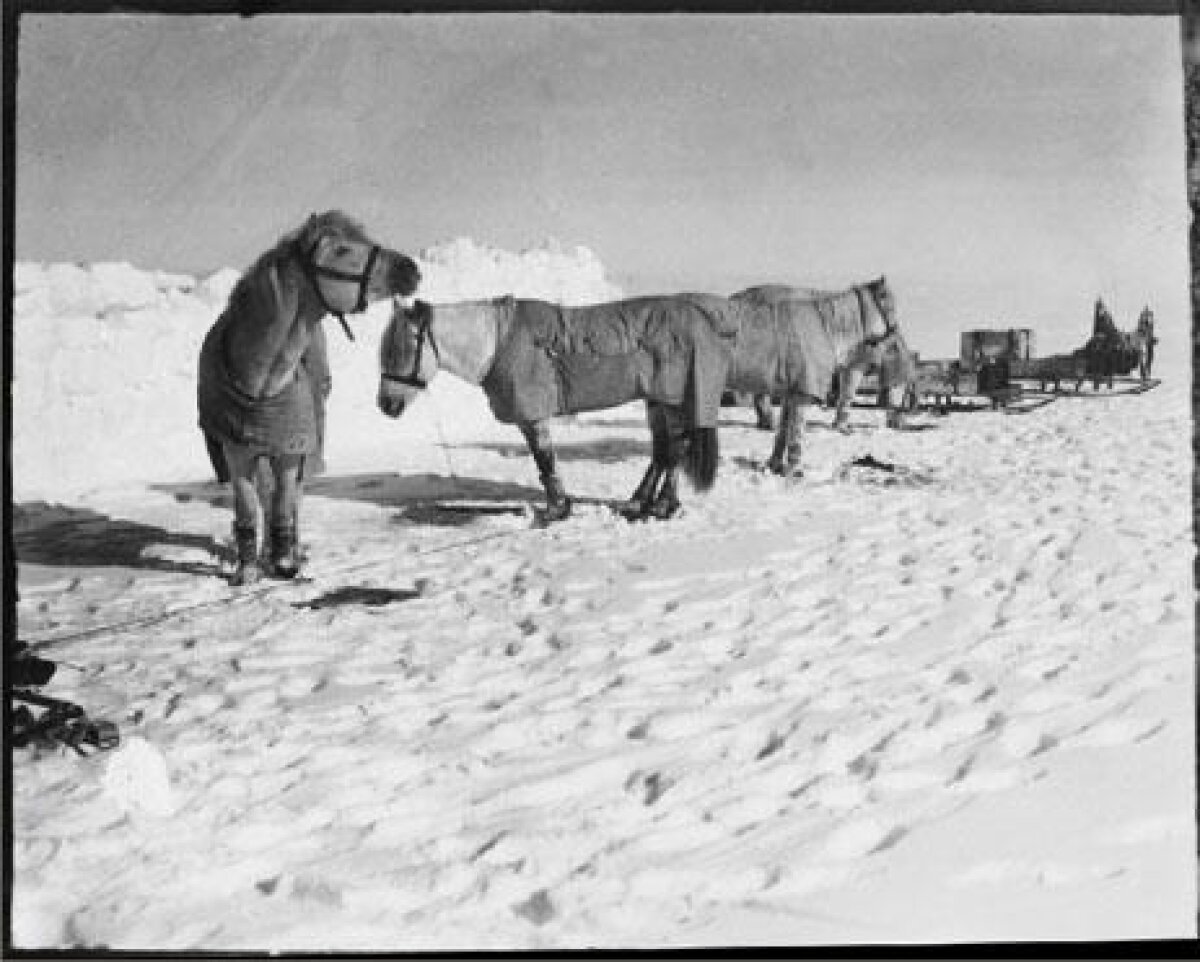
{"x": 241, "y": 597}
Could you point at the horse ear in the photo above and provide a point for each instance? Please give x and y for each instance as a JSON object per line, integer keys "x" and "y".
{"x": 308, "y": 230}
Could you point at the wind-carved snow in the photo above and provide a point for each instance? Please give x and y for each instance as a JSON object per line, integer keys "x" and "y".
{"x": 956, "y": 706}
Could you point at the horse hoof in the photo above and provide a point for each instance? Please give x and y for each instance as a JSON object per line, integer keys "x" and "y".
{"x": 557, "y": 511}
{"x": 285, "y": 568}
{"x": 632, "y": 510}
{"x": 246, "y": 573}
{"x": 781, "y": 468}
{"x": 664, "y": 510}
{"x": 283, "y": 555}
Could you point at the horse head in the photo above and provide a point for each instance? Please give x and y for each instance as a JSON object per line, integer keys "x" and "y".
{"x": 405, "y": 366}
{"x": 885, "y": 307}
{"x": 347, "y": 268}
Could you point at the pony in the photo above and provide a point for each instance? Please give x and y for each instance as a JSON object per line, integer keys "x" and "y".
{"x": 1143, "y": 341}
{"x": 896, "y": 368}
{"x": 535, "y": 360}
{"x": 261, "y": 376}
{"x": 793, "y": 344}
{"x": 1107, "y": 353}
{"x": 1056, "y": 368}
{"x": 1103, "y": 347}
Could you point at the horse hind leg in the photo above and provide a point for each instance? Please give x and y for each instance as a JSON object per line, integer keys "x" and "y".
{"x": 666, "y": 503}
{"x": 638, "y": 505}
{"x": 541, "y": 446}
{"x": 785, "y": 458}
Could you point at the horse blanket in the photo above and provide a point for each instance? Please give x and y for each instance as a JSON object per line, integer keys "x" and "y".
{"x": 790, "y": 344}
{"x": 562, "y": 360}
{"x": 291, "y": 422}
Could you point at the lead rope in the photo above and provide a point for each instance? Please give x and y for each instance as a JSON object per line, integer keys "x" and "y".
{"x": 437, "y": 423}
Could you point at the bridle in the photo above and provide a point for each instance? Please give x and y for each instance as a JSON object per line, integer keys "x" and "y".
{"x": 889, "y": 325}
{"x": 313, "y": 271}
{"x": 424, "y": 333}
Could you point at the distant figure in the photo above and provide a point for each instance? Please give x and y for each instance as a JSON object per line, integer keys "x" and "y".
{"x": 1144, "y": 341}
{"x": 1104, "y": 348}
{"x": 1103, "y": 325}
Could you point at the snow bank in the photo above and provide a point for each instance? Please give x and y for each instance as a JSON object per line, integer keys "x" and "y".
{"x": 105, "y": 359}
{"x": 463, "y": 269}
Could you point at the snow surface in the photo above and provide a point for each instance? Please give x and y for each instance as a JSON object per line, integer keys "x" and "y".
{"x": 954, "y": 702}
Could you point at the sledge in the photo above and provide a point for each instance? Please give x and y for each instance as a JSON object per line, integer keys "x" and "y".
{"x": 60, "y": 722}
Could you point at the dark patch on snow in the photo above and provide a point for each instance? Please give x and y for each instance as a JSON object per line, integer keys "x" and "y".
{"x": 359, "y": 595}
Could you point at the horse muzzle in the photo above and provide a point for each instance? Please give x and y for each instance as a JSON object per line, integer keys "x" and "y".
{"x": 391, "y": 403}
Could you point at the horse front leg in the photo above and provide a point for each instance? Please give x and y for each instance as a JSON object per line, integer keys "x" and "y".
{"x": 242, "y": 476}
{"x": 847, "y": 391}
{"x": 764, "y": 416}
{"x": 785, "y": 458}
{"x": 897, "y": 400}
{"x": 283, "y": 553}
{"x": 541, "y": 446}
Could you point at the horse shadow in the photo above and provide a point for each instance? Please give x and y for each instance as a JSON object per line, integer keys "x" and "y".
{"x": 428, "y": 499}
{"x": 606, "y": 450}
{"x": 60, "y": 535}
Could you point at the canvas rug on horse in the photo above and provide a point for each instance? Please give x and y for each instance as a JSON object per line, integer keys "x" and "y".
{"x": 564, "y": 360}
{"x": 291, "y": 422}
{"x": 807, "y": 341}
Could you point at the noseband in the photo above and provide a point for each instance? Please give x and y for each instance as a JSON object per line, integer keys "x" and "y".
{"x": 313, "y": 271}
{"x": 424, "y": 333}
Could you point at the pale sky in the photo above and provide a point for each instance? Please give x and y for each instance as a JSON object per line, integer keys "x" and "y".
{"x": 999, "y": 170}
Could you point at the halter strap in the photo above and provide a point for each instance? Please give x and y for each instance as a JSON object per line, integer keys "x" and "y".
{"x": 424, "y": 333}
{"x": 312, "y": 270}
{"x": 889, "y": 327}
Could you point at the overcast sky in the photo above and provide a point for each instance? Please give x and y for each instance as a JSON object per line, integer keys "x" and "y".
{"x": 997, "y": 169}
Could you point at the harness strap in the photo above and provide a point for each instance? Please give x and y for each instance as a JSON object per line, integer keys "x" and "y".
{"x": 424, "y": 332}
{"x": 889, "y": 327}
{"x": 312, "y": 270}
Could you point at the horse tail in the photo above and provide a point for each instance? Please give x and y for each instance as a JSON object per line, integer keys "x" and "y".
{"x": 700, "y": 459}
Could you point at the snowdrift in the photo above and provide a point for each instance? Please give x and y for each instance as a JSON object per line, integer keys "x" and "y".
{"x": 105, "y": 362}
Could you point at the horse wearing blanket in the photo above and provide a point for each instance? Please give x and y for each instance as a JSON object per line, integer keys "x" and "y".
{"x": 792, "y": 344}
{"x": 535, "y": 360}
{"x": 261, "y": 382}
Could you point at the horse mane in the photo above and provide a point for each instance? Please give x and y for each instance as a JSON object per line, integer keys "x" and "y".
{"x": 765, "y": 293}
